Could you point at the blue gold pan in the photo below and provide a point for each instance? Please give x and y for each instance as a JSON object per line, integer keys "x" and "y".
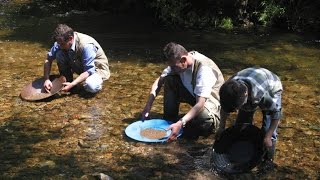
{"x": 136, "y": 129}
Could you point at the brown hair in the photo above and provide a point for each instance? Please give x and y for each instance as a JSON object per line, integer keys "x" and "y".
{"x": 173, "y": 51}
{"x": 62, "y": 31}
{"x": 232, "y": 95}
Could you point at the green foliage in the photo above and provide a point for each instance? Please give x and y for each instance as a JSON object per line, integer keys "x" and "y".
{"x": 303, "y": 15}
{"x": 296, "y": 15}
{"x": 226, "y": 23}
{"x": 181, "y": 13}
{"x": 169, "y": 11}
{"x": 270, "y": 11}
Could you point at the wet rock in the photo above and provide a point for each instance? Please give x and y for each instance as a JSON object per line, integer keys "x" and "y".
{"x": 316, "y": 143}
{"x": 85, "y": 116}
{"x": 96, "y": 176}
{"x": 203, "y": 175}
{"x": 94, "y": 132}
{"x": 50, "y": 164}
{"x": 83, "y": 144}
{"x": 104, "y": 146}
{"x": 102, "y": 176}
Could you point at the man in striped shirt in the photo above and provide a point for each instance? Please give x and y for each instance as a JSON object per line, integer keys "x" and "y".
{"x": 248, "y": 90}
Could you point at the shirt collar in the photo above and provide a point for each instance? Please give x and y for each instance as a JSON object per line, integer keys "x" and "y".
{"x": 193, "y": 61}
{"x": 73, "y": 46}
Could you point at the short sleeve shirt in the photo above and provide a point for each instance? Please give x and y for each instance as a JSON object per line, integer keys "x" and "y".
{"x": 205, "y": 80}
{"x": 265, "y": 87}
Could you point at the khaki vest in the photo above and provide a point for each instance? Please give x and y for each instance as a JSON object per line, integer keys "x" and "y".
{"x": 101, "y": 60}
{"x": 201, "y": 60}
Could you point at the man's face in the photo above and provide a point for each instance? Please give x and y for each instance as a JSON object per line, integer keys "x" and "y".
{"x": 243, "y": 99}
{"x": 178, "y": 66}
{"x": 65, "y": 44}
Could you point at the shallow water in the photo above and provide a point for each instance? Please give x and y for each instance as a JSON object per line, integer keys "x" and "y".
{"x": 78, "y": 136}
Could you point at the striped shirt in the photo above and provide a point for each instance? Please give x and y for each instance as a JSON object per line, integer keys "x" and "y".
{"x": 264, "y": 88}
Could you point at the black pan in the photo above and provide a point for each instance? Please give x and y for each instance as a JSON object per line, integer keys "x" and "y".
{"x": 239, "y": 149}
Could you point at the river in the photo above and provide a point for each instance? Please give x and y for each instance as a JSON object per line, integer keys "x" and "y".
{"x": 77, "y": 136}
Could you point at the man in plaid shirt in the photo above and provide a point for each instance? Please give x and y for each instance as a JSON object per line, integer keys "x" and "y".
{"x": 246, "y": 91}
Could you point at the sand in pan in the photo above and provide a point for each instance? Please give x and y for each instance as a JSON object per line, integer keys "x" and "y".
{"x": 153, "y": 133}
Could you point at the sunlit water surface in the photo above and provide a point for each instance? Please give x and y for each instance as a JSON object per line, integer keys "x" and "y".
{"x": 78, "y": 136}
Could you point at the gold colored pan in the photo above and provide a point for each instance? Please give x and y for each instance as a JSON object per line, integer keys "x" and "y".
{"x": 34, "y": 91}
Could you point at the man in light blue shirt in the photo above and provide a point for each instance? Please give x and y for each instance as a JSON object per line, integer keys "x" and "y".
{"x": 77, "y": 53}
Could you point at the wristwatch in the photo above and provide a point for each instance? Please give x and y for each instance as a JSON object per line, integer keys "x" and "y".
{"x": 184, "y": 122}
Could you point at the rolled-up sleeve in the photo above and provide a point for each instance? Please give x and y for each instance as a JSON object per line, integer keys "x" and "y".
{"x": 277, "y": 113}
{"x": 53, "y": 51}
{"x": 89, "y": 54}
{"x": 273, "y": 105}
{"x": 205, "y": 81}
{"x": 166, "y": 72}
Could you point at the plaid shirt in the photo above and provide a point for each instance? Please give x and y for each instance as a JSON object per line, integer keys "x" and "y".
{"x": 265, "y": 90}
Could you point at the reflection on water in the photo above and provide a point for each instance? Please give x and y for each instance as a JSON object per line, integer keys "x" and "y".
{"x": 74, "y": 136}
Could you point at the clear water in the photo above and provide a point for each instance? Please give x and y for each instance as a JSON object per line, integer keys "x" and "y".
{"x": 76, "y": 136}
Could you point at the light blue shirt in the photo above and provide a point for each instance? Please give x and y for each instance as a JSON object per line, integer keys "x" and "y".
{"x": 89, "y": 54}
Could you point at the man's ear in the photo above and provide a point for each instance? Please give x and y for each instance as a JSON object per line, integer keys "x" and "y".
{"x": 183, "y": 59}
{"x": 70, "y": 38}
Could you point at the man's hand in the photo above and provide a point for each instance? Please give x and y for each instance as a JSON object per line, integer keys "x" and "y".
{"x": 145, "y": 113}
{"x": 47, "y": 85}
{"x": 175, "y": 129}
{"x": 67, "y": 86}
{"x": 267, "y": 142}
